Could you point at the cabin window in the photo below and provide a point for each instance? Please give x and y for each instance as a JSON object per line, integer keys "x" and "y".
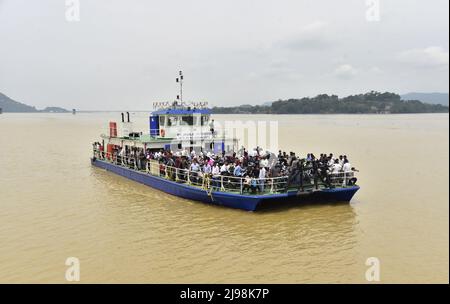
{"x": 162, "y": 120}
{"x": 188, "y": 120}
{"x": 205, "y": 119}
{"x": 172, "y": 121}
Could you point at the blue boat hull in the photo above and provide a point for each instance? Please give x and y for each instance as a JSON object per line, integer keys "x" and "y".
{"x": 245, "y": 202}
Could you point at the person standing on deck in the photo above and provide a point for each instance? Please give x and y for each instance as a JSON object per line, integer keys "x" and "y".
{"x": 224, "y": 168}
{"x": 262, "y": 176}
{"x": 215, "y": 169}
{"x": 207, "y": 168}
{"x": 195, "y": 169}
{"x": 347, "y": 167}
{"x": 341, "y": 160}
{"x": 336, "y": 167}
{"x": 211, "y": 127}
{"x": 331, "y": 160}
{"x": 141, "y": 159}
{"x": 264, "y": 161}
{"x": 237, "y": 170}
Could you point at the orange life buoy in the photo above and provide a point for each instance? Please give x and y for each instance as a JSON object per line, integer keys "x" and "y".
{"x": 163, "y": 133}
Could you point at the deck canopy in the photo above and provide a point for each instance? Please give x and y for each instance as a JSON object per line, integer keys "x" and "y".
{"x": 181, "y": 111}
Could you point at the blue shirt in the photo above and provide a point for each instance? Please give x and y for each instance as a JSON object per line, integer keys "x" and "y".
{"x": 237, "y": 171}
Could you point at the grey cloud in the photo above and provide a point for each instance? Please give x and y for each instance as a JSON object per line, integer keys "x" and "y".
{"x": 429, "y": 57}
{"x": 314, "y": 36}
{"x": 345, "y": 71}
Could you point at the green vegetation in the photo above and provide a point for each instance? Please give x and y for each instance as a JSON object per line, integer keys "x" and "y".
{"x": 369, "y": 103}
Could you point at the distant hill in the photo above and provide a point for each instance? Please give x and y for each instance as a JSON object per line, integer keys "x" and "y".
{"x": 369, "y": 103}
{"x": 9, "y": 105}
{"x": 432, "y": 98}
{"x": 54, "y": 110}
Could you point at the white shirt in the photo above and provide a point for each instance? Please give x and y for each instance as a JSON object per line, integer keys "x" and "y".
{"x": 336, "y": 168}
{"x": 347, "y": 167}
{"x": 264, "y": 162}
{"x": 215, "y": 170}
{"x": 224, "y": 168}
{"x": 262, "y": 173}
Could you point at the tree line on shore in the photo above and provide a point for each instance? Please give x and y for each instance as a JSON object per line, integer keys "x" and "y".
{"x": 368, "y": 103}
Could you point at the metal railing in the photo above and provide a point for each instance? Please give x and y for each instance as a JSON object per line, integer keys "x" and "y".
{"x": 342, "y": 179}
{"x": 222, "y": 182}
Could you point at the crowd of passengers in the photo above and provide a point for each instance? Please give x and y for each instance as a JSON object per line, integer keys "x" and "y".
{"x": 254, "y": 167}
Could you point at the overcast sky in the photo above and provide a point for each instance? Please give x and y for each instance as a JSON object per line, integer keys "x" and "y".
{"x": 126, "y": 54}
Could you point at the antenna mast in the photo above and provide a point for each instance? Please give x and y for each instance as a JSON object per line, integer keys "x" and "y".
{"x": 180, "y": 81}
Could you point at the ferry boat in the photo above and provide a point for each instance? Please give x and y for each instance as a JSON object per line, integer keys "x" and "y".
{"x": 178, "y": 126}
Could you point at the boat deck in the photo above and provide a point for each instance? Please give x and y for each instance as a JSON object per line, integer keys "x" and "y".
{"x": 232, "y": 199}
{"x": 227, "y": 183}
